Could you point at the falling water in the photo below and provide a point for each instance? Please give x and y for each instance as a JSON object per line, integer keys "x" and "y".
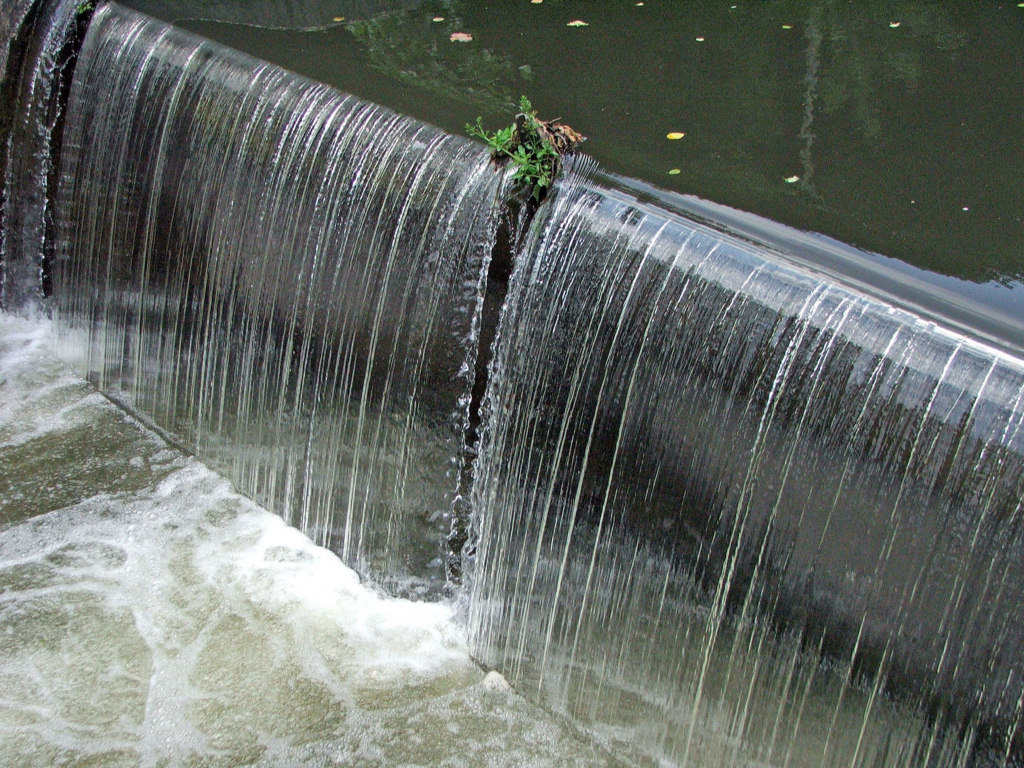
{"x": 284, "y": 278}
{"x": 152, "y": 616}
{"x": 742, "y": 516}
{"x": 726, "y": 513}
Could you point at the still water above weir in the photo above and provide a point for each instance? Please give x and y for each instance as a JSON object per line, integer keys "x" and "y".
{"x": 725, "y": 508}
{"x": 898, "y": 122}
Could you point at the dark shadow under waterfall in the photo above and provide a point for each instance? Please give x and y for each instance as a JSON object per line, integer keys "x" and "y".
{"x": 37, "y": 63}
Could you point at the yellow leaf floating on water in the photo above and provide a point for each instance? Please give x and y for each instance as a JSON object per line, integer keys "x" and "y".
{"x": 675, "y": 135}
{"x": 893, "y": 24}
{"x": 577, "y": 23}
{"x": 792, "y": 179}
{"x": 787, "y": 26}
{"x": 700, "y": 39}
{"x": 460, "y": 37}
{"x": 339, "y": 18}
{"x": 674, "y": 172}
{"x": 438, "y": 18}
{"x": 536, "y": 2}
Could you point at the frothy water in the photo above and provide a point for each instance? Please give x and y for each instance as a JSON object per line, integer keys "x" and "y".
{"x": 151, "y": 615}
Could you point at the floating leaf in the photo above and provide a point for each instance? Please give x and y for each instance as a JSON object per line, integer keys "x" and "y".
{"x": 460, "y": 37}
{"x": 893, "y": 24}
{"x": 577, "y": 23}
{"x": 536, "y": 2}
{"x": 675, "y": 135}
{"x": 438, "y": 18}
{"x": 787, "y": 26}
{"x": 700, "y": 39}
{"x": 674, "y": 172}
{"x": 792, "y": 179}
{"x": 339, "y": 18}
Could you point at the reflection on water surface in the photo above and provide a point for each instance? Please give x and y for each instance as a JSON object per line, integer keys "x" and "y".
{"x": 899, "y": 121}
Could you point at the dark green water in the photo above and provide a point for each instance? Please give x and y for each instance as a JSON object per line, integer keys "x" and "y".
{"x": 902, "y": 121}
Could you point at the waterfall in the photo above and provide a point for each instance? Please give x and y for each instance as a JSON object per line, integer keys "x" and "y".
{"x": 725, "y": 509}
{"x": 716, "y": 493}
{"x": 285, "y": 279}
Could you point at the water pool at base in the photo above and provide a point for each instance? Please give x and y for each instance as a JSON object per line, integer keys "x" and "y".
{"x": 150, "y": 615}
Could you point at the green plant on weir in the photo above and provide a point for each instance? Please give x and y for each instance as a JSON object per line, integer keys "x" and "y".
{"x": 535, "y": 158}
{"x": 84, "y": 7}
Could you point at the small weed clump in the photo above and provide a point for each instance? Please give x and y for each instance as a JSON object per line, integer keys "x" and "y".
{"x": 530, "y": 143}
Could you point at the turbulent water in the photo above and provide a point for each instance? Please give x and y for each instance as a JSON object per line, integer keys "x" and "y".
{"x": 283, "y": 277}
{"x": 744, "y": 515}
{"x": 150, "y": 615}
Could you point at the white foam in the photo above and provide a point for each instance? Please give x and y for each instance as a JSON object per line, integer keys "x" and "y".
{"x": 200, "y": 602}
{"x": 170, "y": 621}
{"x": 39, "y": 394}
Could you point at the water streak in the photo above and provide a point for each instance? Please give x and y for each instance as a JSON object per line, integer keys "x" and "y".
{"x": 284, "y": 278}
{"x": 725, "y": 511}
{"x": 733, "y": 513}
{"x": 307, "y": 15}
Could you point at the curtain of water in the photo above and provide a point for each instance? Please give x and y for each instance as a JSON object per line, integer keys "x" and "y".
{"x": 284, "y": 278}
{"x": 725, "y": 510}
{"x": 741, "y": 516}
